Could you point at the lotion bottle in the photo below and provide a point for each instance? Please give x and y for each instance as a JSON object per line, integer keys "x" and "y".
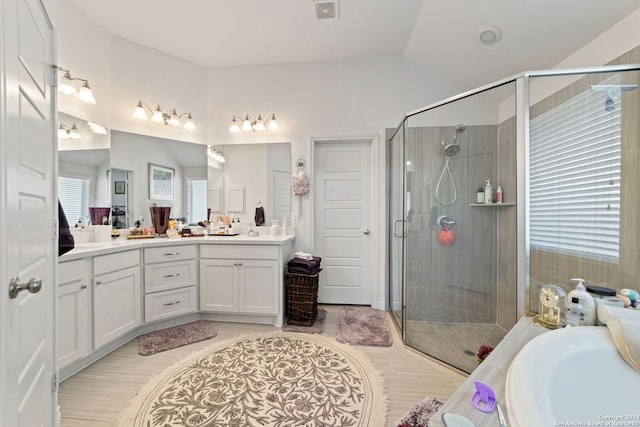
{"x": 488, "y": 192}
{"x": 581, "y": 308}
{"x": 274, "y": 227}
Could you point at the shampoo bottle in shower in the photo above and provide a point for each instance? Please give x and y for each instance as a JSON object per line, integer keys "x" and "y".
{"x": 488, "y": 192}
{"x": 480, "y": 196}
{"x": 499, "y": 194}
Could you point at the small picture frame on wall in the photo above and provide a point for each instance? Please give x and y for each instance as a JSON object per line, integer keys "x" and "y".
{"x": 160, "y": 182}
{"x": 118, "y": 187}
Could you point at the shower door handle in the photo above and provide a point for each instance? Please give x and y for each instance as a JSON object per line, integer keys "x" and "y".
{"x": 395, "y": 228}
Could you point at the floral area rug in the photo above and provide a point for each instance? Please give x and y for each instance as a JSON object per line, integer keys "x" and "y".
{"x": 363, "y": 326}
{"x": 176, "y": 336}
{"x": 265, "y": 380}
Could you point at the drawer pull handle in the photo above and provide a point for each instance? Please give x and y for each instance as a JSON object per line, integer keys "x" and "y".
{"x": 167, "y": 304}
{"x": 171, "y": 253}
{"x": 168, "y": 276}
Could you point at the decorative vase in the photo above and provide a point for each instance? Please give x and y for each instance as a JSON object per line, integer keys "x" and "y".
{"x": 160, "y": 218}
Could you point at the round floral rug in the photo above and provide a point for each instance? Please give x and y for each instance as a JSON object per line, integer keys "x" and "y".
{"x": 264, "y": 380}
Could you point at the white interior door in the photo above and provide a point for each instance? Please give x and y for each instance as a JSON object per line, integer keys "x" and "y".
{"x": 281, "y": 196}
{"x": 28, "y": 207}
{"x": 343, "y": 220}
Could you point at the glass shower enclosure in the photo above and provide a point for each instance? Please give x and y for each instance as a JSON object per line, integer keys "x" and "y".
{"x": 463, "y": 266}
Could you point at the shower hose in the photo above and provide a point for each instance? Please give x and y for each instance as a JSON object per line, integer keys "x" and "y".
{"x": 453, "y": 184}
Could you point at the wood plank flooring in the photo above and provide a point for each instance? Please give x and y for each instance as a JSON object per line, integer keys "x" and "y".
{"x": 95, "y": 396}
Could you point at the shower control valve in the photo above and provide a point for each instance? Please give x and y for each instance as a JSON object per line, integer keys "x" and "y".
{"x": 445, "y": 222}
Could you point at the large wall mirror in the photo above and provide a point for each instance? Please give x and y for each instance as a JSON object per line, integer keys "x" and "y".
{"x": 252, "y": 175}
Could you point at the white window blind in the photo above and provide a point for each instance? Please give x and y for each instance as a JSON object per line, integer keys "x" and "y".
{"x": 575, "y": 178}
{"x": 197, "y": 200}
{"x": 73, "y": 194}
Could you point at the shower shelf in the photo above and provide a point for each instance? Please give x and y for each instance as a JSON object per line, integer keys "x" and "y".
{"x": 491, "y": 205}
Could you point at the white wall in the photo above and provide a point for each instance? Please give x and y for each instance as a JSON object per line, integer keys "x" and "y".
{"x": 312, "y": 100}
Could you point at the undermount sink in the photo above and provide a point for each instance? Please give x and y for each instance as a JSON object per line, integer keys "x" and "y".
{"x": 571, "y": 376}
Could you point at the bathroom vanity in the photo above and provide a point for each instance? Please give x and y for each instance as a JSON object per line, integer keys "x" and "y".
{"x": 111, "y": 292}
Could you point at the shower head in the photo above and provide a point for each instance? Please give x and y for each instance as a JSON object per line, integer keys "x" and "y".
{"x": 459, "y": 129}
{"x": 450, "y": 149}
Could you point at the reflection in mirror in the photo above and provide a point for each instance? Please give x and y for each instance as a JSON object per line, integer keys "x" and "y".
{"x": 252, "y": 174}
{"x": 83, "y": 166}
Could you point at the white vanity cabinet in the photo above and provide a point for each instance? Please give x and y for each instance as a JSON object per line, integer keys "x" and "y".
{"x": 241, "y": 279}
{"x": 116, "y": 295}
{"x": 73, "y": 320}
{"x": 169, "y": 282}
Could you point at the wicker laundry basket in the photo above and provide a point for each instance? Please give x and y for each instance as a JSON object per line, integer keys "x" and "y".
{"x": 302, "y": 298}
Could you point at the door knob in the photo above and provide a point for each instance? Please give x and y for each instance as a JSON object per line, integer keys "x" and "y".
{"x": 15, "y": 286}
{"x": 365, "y": 231}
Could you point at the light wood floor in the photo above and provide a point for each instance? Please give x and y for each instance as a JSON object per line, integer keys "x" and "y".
{"x": 95, "y": 396}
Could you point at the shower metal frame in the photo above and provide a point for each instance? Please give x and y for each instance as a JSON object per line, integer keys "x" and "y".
{"x": 522, "y": 94}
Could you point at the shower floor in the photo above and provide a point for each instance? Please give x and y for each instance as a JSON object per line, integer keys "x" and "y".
{"x": 453, "y": 343}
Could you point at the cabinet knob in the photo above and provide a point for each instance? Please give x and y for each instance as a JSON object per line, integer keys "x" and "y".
{"x": 98, "y": 282}
{"x": 84, "y": 286}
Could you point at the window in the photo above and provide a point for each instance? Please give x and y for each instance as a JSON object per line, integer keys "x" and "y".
{"x": 197, "y": 200}
{"x": 575, "y": 178}
{"x": 74, "y": 198}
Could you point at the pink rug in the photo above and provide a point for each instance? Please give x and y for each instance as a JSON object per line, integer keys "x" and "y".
{"x": 316, "y": 328}
{"x": 177, "y": 336}
{"x": 363, "y": 326}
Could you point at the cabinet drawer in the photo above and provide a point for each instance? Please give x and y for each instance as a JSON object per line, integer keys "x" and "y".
{"x": 162, "y": 305}
{"x": 171, "y": 275}
{"x": 239, "y": 251}
{"x": 116, "y": 261}
{"x": 72, "y": 271}
{"x": 169, "y": 253}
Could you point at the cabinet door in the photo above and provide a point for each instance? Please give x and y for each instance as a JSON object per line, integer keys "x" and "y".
{"x": 219, "y": 285}
{"x": 258, "y": 287}
{"x": 73, "y": 322}
{"x": 116, "y": 304}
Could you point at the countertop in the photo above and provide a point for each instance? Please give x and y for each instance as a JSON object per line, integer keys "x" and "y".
{"x": 492, "y": 371}
{"x": 121, "y": 243}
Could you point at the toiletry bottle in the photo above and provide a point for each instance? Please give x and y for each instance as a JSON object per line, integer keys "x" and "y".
{"x": 274, "y": 227}
{"x": 499, "y": 194}
{"x": 581, "y": 309}
{"x": 488, "y": 192}
{"x": 480, "y": 196}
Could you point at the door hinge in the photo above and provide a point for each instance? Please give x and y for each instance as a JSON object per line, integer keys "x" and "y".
{"x": 55, "y": 229}
{"x": 54, "y": 75}
{"x": 55, "y": 381}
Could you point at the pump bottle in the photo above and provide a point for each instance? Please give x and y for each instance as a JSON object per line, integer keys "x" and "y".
{"x": 581, "y": 308}
{"x": 488, "y": 192}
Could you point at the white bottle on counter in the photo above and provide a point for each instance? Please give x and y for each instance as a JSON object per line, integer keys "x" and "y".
{"x": 488, "y": 192}
{"x": 274, "y": 227}
{"x": 581, "y": 309}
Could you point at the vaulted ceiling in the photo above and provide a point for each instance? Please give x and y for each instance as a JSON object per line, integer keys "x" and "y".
{"x": 440, "y": 35}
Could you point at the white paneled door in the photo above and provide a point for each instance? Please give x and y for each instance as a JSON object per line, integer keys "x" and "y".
{"x": 28, "y": 207}
{"x": 343, "y": 220}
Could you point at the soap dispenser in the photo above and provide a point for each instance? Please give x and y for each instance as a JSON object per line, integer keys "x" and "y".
{"x": 581, "y": 308}
{"x": 274, "y": 227}
{"x": 488, "y": 192}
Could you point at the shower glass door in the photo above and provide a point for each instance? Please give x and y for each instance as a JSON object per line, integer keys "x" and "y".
{"x": 396, "y": 227}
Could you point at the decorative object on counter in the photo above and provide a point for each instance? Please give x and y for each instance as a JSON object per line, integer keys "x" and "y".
{"x": 259, "y": 215}
{"x": 160, "y": 218}
{"x": 250, "y": 125}
{"x": 483, "y": 352}
{"x": 316, "y": 328}
{"x": 274, "y": 227}
{"x": 160, "y": 182}
{"x": 283, "y": 393}
{"x": 66, "y": 87}
{"x": 176, "y": 336}
{"x": 300, "y": 183}
{"x": 98, "y": 215}
{"x": 363, "y": 326}
{"x": 68, "y": 132}
{"x": 421, "y": 413}
{"x": 551, "y": 307}
{"x": 158, "y": 116}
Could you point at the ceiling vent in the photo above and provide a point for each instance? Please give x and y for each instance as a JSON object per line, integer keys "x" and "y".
{"x": 326, "y": 9}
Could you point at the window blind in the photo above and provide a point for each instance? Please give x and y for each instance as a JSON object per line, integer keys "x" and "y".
{"x": 73, "y": 194}
{"x": 197, "y": 200}
{"x": 575, "y": 178}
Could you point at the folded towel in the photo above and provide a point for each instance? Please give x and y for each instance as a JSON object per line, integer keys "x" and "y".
{"x": 303, "y": 255}
{"x": 304, "y": 266}
{"x": 606, "y": 312}
{"x": 626, "y": 337}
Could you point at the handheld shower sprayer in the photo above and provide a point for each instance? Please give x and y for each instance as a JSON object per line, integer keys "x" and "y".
{"x": 450, "y": 150}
